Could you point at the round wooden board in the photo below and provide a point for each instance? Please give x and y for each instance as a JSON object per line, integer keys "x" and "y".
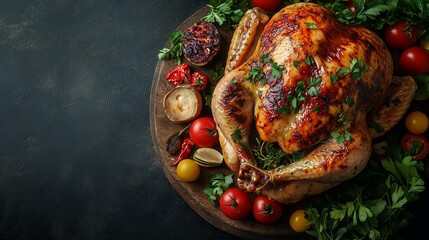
{"x": 162, "y": 128}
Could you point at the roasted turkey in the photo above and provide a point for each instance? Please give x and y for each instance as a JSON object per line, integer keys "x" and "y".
{"x": 312, "y": 85}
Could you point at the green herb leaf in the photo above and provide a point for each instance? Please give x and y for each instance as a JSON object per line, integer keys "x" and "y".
{"x": 265, "y": 58}
{"x": 236, "y": 135}
{"x": 343, "y": 71}
{"x": 175, "y": 51}
{"x": 311, "y": 25}
{"x": 372, "y": 205}
{"x": 284, "y": 110}
{"x": 422, "y": 92}
{"x": 295, "y": 64}
{"x": 255, "y": 75}
{"x": 276, "y": 70}
{"x": 349, "y": 100}
{"x": 226, "y": 13}
{"x": 308, "y": 60}
{"x": 216, "y": 186}
{"x": 270, "y": 156}
{"x": 316, "y": 109}
{"x": 334, "y": 78}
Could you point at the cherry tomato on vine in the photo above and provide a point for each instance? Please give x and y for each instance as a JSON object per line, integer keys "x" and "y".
{"x": 415, "y": 61}
{"x": 203, "y": 132}
{"x": 266, "y": 210}
{"x": 267, "y": 5}
{"x": 417, "y": 122}
{"x": 416, "y": 145}
{"x": 188, "y": 170}
{"x": 401, "y": 35}
{"x": 235, "y": 203}
{"x": 199, "y": 81}
{"x": 298, "y": 222}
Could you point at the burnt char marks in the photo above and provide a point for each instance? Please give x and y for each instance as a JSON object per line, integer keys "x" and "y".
{"x": 283, "y": 26}
{"x": 233, "y": 101}
{"x": 275, "y": 98}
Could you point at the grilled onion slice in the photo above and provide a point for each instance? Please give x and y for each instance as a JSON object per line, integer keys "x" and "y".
{"x": 183, "y": 103}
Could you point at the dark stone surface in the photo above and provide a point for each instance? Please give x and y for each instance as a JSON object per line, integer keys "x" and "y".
{"x": 76, "y": 155}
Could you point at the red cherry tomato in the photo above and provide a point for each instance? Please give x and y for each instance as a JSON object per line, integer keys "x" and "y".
{"x": 203, "y": 132}
{"x": 401, "y": 35}
{"x": 199, "y": 81}
{"x": 415, "y": 61}
{"x": 266, "y": 210}
{"x": 415, "y": 145}
{"x": 351, "y": 6}
{"x": 179, "y": 74}
{"x": 235, "y": 203}
{"x": 267, "y": 5}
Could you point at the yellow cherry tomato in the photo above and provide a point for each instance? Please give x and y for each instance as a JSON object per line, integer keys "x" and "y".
{"x": 417, "y": 122}
{"x": 188, "y": 170}
{"x": 298, "y": 222}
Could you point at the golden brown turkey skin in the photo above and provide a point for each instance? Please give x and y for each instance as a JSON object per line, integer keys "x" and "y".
{"x": 327, "y": 47}
{"x": 316, "y": 76}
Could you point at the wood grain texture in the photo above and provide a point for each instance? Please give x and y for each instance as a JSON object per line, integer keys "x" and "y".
{"x": 162, "y": 128}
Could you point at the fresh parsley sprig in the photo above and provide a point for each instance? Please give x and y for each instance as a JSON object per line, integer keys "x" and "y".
{"x": 373, "y": 205}
{"x": 376, "y": 14}
{"x": 226, "y": 13}
{"x": 175, "y": 51}
{"x": 216, "y": 186}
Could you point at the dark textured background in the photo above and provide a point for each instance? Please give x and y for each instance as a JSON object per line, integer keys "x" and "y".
{"x": 76, "y": 155}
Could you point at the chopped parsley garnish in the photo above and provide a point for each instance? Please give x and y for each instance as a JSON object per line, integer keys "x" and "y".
{"x": 357, "y": 67}
{"x": 334, "y": 78}
{"x": 311, "y": 25}
{"x": 349, "y": 100}
{"x": 313, "y": 83}
{"x": 276, "y": 70}
{"x": 316, "y": 109}
{"x": 341, "y": 137}
{"x": 308, "y": 60}
{"x": 284, "y": 110}
{"x": 343, "y": 71}
{"x": 255, "y": 75}
{"x": 265, "y": 58}
{"x": 236, "y": 135}
{"x": 295, "y": 64}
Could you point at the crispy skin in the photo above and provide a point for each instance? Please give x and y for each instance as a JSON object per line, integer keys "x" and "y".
{"x": 311, "y": 44}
